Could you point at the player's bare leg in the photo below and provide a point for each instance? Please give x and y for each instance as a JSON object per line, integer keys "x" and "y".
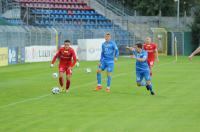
{"x": 150, "y": 70}
{"x": 150, "y": 63}
{"x": 61, "y": 81}
{"x": 99, "y": 86}
{"x": 108, "y": 81}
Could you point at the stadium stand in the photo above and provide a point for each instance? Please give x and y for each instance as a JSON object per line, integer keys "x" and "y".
{"x": 71, "y": 14}
{"x": 73, "y": 19}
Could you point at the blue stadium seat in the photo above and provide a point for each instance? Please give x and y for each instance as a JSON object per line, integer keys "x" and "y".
{"x": 87, "y": 12}
{"x": 33, "y": 11}
{"x": 59, "y": 12}
{"x": 78, "y": 16}
{"x": 82, "y": 11}
{"x": 92, "y": 12}
{"x": 87, "y": 17}
{"x": 74, "y": 12}
{"x": 61, "y": 16}
{"x": 64, "y": 12}
{"x": 70, "y": 16}
{"x": 45, "y": 12}
{"x": 78, "y": 12}
{"x": 50, "y": 11}
{"x": 83, "y": 16}
{"x": 55, "y": 11}
{"x": 56, "y": 16}
{"x": 66, "y": 16}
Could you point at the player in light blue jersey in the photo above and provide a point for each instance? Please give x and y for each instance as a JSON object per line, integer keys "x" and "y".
{"x": 142, "y": 68}
{"x": 109, "y": 55}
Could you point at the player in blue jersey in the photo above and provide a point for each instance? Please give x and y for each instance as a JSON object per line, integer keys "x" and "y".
{"x": 142, "y": 68}
{"x": 109, "y": 55}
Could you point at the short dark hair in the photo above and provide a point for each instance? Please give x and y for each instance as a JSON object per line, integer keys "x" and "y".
{"x": 139, "y": 45}
{"x": 108, "y": 33}
{"x": 67, "y": 41}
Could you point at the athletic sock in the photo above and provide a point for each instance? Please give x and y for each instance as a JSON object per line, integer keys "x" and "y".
{"x": 149, "y": 87}
{"x": 67, "y": 84}
{"x": 61, "y": 81}
{"x": 150, "y": 73}
{"x": 108, "y": 81}
{"x": 99, "y": 79}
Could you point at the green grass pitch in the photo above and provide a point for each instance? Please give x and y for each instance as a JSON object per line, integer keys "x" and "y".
{"x": 27, "y": 105}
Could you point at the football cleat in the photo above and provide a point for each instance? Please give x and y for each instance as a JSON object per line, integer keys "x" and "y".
{"x": 107, "y": 90}
{"x": 98, "y": 88}
{"x": 152, "y": 93}
{"x": 147, "y": 88}
{"x": 67, "y": 91}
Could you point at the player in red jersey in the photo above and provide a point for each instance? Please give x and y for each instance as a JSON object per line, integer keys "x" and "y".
{"x": 152, "y": 50}
{"x": 67, "y": 61}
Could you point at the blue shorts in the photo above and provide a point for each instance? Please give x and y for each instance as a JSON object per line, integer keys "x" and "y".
{"x": 108, "y": 66}
{"x": 143, "y": 74}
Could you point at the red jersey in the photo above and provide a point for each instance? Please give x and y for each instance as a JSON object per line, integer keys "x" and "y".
{"x": 66, "y": 57}
{"x": 151, "y": 49}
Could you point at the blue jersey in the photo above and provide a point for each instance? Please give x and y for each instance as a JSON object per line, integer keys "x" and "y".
{"x": 109, "y": 52}
{"x": 141, "y": 66}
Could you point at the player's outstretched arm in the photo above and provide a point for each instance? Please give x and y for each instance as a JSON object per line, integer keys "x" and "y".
{"x": 194, "y": 53}
{"x": 54, "y": 59}
{"x": 77, "y": 62}
{"x": 130, "y": 48}
{"x": 156, "y": 55}
{"x": 74, "y": 59}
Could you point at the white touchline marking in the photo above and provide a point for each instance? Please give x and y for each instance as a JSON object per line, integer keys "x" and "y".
{"x": 46, "y": 95}
{"x": 26, "y": 100}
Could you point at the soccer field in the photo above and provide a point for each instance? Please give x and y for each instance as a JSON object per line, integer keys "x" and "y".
{"x": 27, "y": 105}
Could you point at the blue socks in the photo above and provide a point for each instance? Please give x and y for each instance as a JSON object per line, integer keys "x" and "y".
{"x": 108, "y": 81}
{"x": 149, "y": 87}
{"x": 98, "y": 78}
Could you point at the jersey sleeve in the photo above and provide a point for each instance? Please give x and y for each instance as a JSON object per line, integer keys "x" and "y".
{"x": 74, "y": 58}
{"x": 145, "y": 55}
{"x": 144, "y": 46}
{"x": 155, "y": 46}
{"x": 55, "y": 57}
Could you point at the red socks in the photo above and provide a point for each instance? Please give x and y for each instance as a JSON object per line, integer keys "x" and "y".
{"x": 68, "y": 84}
{"x": 61, "y": 81}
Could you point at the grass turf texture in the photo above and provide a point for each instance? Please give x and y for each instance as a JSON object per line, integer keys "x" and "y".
{"x": 26, "y": 102}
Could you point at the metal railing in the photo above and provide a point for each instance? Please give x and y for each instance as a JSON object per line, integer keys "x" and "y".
{"x": 21, "y": 36}
{"x": 117, "y": 7}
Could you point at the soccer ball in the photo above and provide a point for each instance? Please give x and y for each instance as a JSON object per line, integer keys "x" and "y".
{"x": 88, "y": 70}
{"x": 55, "y": 90}
{"x": 55, "y": 75}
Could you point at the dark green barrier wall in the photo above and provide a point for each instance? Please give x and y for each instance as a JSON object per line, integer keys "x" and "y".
{"x": 188, "y": 46}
